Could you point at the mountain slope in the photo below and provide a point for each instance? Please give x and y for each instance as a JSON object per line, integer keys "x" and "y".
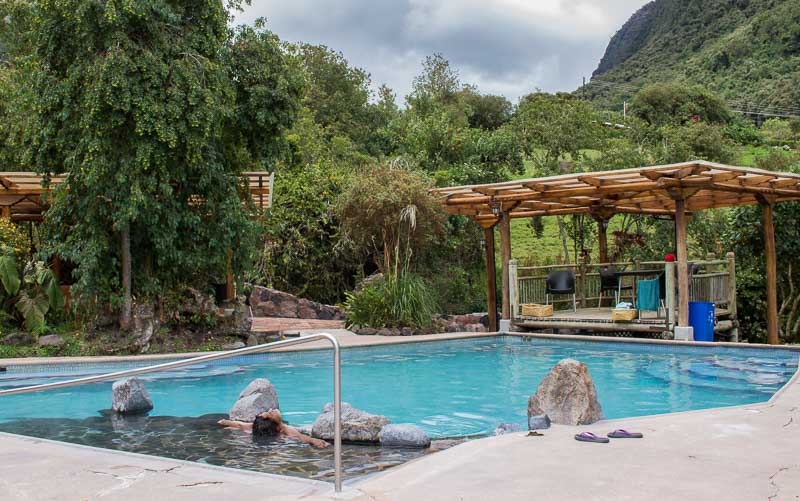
{"x": 748, "y": 51}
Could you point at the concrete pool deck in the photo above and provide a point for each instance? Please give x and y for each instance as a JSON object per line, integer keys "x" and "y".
{"x": 745, "y": 452}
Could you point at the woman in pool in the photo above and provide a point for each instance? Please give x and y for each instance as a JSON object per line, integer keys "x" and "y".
{"x": 270, "y": 424}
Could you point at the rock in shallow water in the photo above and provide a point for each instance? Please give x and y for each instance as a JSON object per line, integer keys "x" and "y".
{"x": 129, "y": 396}
{"x": 357, "y": 425}
{"x": 404, "y": 435}
{"x": 259, "y": 396}
{"x": 567, "y": 395}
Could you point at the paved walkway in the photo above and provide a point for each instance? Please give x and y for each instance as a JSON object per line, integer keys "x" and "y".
{"x": 738, "y": 453}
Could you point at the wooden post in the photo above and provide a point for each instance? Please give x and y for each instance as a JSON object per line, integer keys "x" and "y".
{"x": 683, "y": 263}
{"x": 491, "y": 278}
{"x": 513, "y": 289}
{"x": 55, "y": 264}
{"x": 230, "y": 284}
{"x": 505, "y": 257}
{"x": 731, "y": 258}
{"x": 602, "y": 239}
{"x": 772, "y": 274}
{"x": 7, "y": 211}
{"x": 127, "y": 302}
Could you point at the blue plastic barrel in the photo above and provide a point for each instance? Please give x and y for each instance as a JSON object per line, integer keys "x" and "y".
{"x": 701, "y": 318}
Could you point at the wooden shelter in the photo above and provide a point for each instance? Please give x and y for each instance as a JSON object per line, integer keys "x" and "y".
{"x": 674, "y": 191}
{"x": 23, "y": 198}
{"x": 22, "y": 194}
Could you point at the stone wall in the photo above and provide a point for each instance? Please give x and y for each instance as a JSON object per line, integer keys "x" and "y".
{"x": 267, "y": 302}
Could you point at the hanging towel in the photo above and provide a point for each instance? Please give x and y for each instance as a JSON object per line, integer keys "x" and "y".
{"x": 647, "y": 294}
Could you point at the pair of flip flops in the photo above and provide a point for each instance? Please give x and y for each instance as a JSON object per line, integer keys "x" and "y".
{"x": 588, "y": 436}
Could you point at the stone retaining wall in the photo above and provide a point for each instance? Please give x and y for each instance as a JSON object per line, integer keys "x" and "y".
{"x": 266, "y": 302}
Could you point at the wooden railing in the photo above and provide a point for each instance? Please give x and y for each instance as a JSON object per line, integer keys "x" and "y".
{"x": 713, "y": 281}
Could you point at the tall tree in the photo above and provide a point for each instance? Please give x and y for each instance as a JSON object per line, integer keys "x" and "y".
{"x": 134, "y": 98}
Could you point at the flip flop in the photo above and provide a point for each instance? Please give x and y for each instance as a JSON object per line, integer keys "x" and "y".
{"x": 587, "y": 436}
{"x": 534, "y": 433}
{"x": 624, "y": 434}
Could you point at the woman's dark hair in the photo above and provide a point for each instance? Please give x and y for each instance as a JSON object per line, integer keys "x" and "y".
{"x": 263, "y": 427}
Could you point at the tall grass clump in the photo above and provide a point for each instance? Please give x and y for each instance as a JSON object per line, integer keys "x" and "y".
{"x": 402, "y": 300}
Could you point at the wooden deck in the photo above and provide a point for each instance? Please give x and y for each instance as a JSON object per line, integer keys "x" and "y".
{"x": 599, "y": 319}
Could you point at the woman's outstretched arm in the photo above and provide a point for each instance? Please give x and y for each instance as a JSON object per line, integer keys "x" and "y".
{"x": 241, "y": 425}
{"x": 291, "y": 432}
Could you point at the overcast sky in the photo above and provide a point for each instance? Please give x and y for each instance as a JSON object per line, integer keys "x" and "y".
{"x": 507, "y": 47}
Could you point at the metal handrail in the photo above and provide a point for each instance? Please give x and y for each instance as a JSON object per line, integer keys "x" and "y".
{"x": 337, "y": 382}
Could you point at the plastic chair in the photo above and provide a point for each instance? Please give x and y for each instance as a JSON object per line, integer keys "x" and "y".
{"x": 609, "y": 280}
{"x": 561, "y": 282}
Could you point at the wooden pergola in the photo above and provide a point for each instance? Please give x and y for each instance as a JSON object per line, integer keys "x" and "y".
{"x": 22, "y": 194}
{"x": 23, "y": 198}
{"x": 673, "y": 190}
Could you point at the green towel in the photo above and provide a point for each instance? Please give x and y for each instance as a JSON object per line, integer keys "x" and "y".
{"x": 647, "y": 295}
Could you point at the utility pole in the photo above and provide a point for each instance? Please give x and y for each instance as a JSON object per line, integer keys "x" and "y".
{"x": 624, "y": 111}
{"x": 583, "y": 89}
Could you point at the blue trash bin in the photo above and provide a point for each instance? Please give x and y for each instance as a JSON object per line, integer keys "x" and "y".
{"x": 701, "y": 318}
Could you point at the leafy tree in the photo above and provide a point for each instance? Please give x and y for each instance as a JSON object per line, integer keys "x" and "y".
{"x": 695, "y": 141}
{"x": 778, "y": 131}
{"x": 486, "y": 111}
{"x": 339, "y": 97}
{"x": 303, "y": 249}
{"x": 437, "y": 85}
{"x": 388, "y": 214}
{"x": 553, "y": 127}
{"x": 134, "y": 99}
{"x": 672, "y": 104}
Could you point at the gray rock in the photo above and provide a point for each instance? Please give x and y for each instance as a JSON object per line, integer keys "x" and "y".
{"x": 19, "y": 338}
{"x": 252, "y": 340}
{"x": 366, "y": 331}
{"x": 129, "y": 396}
{"x": 51, "y": 340}
{"x": 233, "y": 346}
{"x": 567, "y": 395}
{"x": 357, "y": 425}
{"x": 387, "y": 332}
{"x": 540, "y": 422}
{"x": 259, "y": 396}
{"x": 404, "y": 435}
{"x": 504, "y": 428}
{"x": 263, "y": 386}
{"x": 246, "y": 409}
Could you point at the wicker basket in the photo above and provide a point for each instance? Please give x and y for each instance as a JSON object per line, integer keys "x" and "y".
{"x": 537, "y": 310}
{"x": 623, "y": 315}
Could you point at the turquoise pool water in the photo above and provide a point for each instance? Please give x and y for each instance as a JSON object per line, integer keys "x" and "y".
{"x": 447, "y": 387}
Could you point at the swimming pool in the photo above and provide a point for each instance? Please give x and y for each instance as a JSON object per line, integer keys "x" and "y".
{"x": 449, "y": 388}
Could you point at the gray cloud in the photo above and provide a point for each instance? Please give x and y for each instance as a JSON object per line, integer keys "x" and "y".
{"x": 508, "y": 47}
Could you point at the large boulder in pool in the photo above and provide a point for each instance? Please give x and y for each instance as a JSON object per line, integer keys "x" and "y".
{"x": 567, "y": 395}
{"x": 129, "y": 396}
{"x": 404, "y": 435}
{"x": 259, "y": 396}
{"x": 357, "y": 425}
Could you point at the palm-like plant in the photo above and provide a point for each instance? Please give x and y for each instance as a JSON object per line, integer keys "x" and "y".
{"x": 28, "y": 294}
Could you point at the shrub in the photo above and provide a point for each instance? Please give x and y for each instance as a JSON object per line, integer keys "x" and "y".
{"x": 402, "y": 300}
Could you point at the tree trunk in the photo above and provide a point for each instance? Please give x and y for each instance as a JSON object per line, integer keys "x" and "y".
{"x": 127, "y": 303}
{"x": 563, "y": 235}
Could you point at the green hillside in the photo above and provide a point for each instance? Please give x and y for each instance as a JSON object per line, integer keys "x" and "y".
{"x": 748, "y": 51}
